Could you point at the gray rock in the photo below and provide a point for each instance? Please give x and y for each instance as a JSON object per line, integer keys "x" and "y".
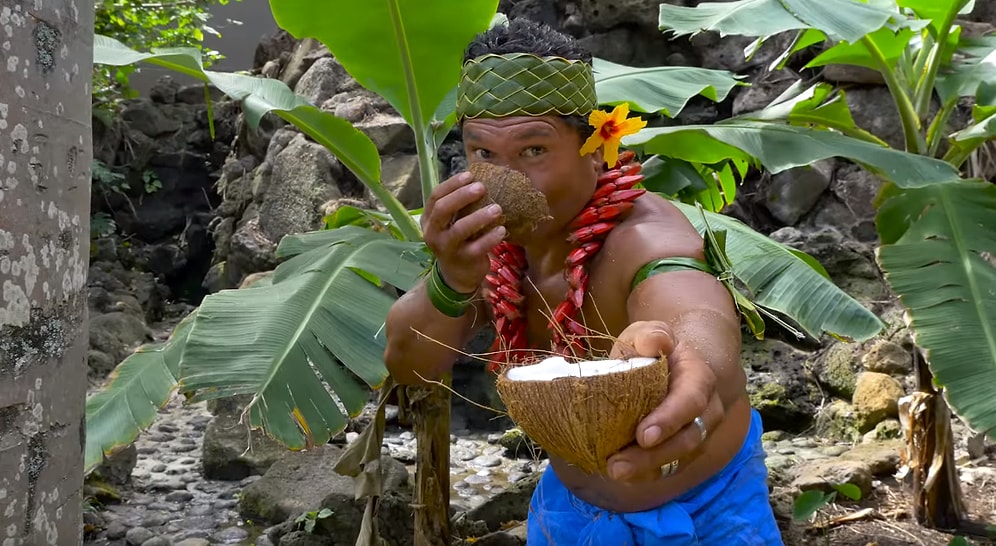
{"x": 837, "y": 369}
{"x": 299, "y": 482}
{"x": 117, "y": 334}
{"x": 308, "y": 178}
{"x": 882, "y": 457}
{"x": 138, "y": 535}
{"x": 762, "y": 92}
{"x": 400, "y": 174}
{"x": 230, "y": 535}
{"x": 874, "y": 110}
{"x": 487, "y": 461}
{"x": 512, "y": 537}
{"x": 778, "y": 384}
{"x": 509, "y": 505}
{"x": 143, "y": 116}
{"x": 304, "y": 56}
{"x": 888, "y": 357}
{"x": 846, "y": 73}
{"x": 388, "y": 130}
{"x": 823, "y": 474}
{"x": 838, "y": 420}
{"x": 158, "y": 541}
{"x": 394, "y": 518}
{"x": 325, "y": 78}
{"x": 850, "y": 264}
{"x": 117, "y": 468}
{"x": 792, "y": 193}
{"x": 116, "y": 529}
{"x": 225, "y": 453}
{"x": 179, "y": 496}
{"x": 193, "y": 542}
{"x": 300, "y": 538}
{"x": 876, "y": 397}
{"x": 599, "y": 15}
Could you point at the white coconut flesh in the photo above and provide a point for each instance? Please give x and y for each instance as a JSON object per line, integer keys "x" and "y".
{"x": 557, "y": 367}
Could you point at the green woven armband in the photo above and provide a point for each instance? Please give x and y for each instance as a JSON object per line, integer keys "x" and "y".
{"x": 448, "y": 301}
{"x": 665, "y": 265}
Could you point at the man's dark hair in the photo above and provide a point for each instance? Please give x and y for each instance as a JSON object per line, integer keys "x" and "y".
{"x": 525, "y": 36}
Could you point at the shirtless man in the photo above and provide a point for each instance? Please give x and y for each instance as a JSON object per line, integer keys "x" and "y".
{"x": 696, "y": 474}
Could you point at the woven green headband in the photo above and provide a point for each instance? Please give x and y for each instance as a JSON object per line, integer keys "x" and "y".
{"x": 519, "y": 84}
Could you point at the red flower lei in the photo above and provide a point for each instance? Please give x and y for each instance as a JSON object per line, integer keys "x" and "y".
{"x": 612, "y": 198}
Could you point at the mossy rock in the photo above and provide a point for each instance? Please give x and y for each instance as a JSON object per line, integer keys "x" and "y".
{"x": 839, "y": 421}
{"x": 779, "y": 408}
{"x": 518, "y": 444}
{"x": 836, "y": 370}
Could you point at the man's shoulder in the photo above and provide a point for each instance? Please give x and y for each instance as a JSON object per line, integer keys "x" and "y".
{"x": 656, "y": 229}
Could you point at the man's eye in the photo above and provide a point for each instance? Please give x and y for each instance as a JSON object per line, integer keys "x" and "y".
{"x": 482, "y": 153}
{"x": 533, "y": 151}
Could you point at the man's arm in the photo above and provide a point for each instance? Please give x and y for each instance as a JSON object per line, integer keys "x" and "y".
{"x": 422, "y": 341}
{"x": 703, "y": 320}
{"x": 689, "y": 316}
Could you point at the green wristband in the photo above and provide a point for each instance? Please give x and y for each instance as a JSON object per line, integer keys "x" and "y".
{"x": 448, "y": 301}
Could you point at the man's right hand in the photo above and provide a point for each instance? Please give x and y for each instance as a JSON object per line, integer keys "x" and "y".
{"x": 461, "y": 245}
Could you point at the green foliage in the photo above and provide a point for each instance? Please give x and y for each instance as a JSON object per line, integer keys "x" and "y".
{"x": 307, "y": 520}
{"x": 810, "y": 502}
{"x": 937, "y": 237}
{"x": 148, "y": 25}
{"x": 302, "y": 338}
{"x": 136, "y": 390}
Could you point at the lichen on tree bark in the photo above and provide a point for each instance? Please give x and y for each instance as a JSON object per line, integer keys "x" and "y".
{"x": 45, "y": 66}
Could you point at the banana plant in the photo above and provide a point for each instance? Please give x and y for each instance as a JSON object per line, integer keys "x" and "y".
{"x": 935, "y": 222}
{"x": 309, "y": 338}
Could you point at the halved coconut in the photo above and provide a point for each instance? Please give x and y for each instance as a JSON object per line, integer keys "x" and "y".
{"x": 583, "y": 412}
{"x": 523, "y": 206}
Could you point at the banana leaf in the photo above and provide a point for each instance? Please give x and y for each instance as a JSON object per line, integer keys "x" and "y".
{"x": 939, "y": 255}
{"x": 783, "y": 279}
{"x": 131, "y": 399}
{"x": 660, "y": 89}
{"x": 305, "y": 345}
{"x": 841, "y": 20}
{"x": 410, "y": 53}
{"x": 778, "y": 147}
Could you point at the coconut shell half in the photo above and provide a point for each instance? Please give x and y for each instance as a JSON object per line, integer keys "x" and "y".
{"x": 523, "y": 206}
{"x": 583, "y": 412}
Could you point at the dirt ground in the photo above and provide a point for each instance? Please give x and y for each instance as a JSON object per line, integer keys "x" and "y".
{"x": 886, "y": 519}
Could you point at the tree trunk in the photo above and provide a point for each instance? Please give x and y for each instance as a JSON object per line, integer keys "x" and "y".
{"x": 430, "y": 411}
{"x": 45, "y": 153}
{"x": 937, "y": 501}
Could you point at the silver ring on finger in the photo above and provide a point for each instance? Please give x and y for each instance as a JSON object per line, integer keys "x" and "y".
{"x": 669, "y": 469}
{"x": 703, "y": 432}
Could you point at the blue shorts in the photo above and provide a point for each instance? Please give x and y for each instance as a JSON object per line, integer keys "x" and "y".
{"x": 729, "y": 509}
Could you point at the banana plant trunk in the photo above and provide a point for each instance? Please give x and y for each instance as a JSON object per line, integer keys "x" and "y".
{"x": 430, "y": 413}
{"x": 937, "y": 499}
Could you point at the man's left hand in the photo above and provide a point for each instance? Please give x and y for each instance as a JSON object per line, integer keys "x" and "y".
{"x": 669, "y": 433}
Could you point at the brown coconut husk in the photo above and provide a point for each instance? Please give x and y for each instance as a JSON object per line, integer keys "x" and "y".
{"x": 584, "y": 420}
{"x": 523, "y": 206}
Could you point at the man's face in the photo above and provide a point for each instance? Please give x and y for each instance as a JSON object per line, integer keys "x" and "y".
{"x": 545, "y": 148}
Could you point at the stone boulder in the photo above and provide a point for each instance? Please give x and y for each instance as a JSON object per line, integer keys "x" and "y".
{"x": 823, "y": 474}
{"x": 778, "y": 384}
{"x": 837, "y": 369}
{"x": 887, "y": 357}
{"x": 876, "y": 397}
{"x": 232, "y": 452}
{"x": 509, "y": 506}
{"x": 115, "y": 335}
{"x": 305, "y": 481}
